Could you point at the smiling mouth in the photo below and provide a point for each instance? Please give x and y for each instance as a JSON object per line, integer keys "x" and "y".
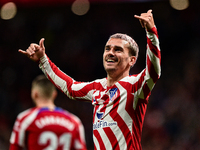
{"x": 110, "y": 60}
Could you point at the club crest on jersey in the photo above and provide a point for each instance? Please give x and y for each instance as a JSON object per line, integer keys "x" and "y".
{"x": 113, "y": 94}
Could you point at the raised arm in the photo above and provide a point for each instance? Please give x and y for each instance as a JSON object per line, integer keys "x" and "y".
{"x": 61, "y": 80}
{"x": 152, "y": 71}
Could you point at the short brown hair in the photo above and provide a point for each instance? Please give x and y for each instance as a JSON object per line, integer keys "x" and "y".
{"x": 45, "y": 86}
{"x": 133, "y": 47}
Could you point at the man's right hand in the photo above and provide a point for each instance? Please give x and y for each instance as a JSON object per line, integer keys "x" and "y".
{"x": 35, "y": 51}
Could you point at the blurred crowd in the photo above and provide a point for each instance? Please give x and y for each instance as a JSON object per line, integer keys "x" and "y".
{"x": 76, "y": 44}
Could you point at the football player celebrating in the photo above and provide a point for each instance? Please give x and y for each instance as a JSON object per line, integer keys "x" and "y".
{"x": 119, "y": 100}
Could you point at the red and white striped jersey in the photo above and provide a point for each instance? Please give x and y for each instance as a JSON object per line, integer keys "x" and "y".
{"x": 41, "y": 128}
{"x": 118, "y": 110}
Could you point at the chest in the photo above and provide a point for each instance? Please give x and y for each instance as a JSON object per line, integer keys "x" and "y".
{"x": 111, "y": 95}
{"x": 113, "y": 100}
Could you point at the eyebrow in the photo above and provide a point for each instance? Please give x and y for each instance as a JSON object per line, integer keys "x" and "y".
{"x": 114, "y": 46}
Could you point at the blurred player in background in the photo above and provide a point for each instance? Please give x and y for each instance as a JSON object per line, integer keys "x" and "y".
{"x": 119, "y": 100}
{"x": 46, "y": 126}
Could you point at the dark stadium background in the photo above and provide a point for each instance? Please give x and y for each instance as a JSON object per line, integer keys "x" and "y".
{"x": 75, "y": 44}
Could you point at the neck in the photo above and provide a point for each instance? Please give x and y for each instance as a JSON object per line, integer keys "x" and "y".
{"x": 112, "y": 78}
{"x": 45, "y": 103}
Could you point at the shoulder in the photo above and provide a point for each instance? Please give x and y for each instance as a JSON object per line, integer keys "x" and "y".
{"x": 70, "y": 116}
{"x": 131, "y": 78}
{"x": 26, "y": 113}
{"x": 95, "y": 83}
{"x": 102, "y": 82}
{"x": 25, "y": 118}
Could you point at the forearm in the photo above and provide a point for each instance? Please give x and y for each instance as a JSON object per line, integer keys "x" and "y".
{"x": 56, "y": 76}
{"x": 72, "y": 88}
{"x": 153, "y": 62}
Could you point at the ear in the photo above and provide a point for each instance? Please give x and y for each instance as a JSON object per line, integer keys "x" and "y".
{"x": 54, "y": 95}
{"x": 34, "y": 94}
{"x": 132, "y": 60}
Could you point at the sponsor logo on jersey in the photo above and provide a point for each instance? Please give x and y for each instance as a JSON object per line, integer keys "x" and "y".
{"x": 99, "y": 115}
{"x": 103, "y": 124}
{"x": 113, "y": 94}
